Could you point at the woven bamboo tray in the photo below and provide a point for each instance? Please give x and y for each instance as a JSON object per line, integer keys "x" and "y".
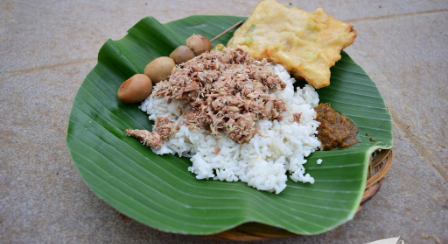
{"x": 380, "y": 164}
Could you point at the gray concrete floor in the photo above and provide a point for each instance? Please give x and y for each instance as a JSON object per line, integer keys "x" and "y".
{"x": 48, "y": 47}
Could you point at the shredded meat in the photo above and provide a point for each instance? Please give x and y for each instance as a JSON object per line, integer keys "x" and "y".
{"x": 164, "y": 127}
{"x": 297, "y": 117}
{"x": 217, "y": 150}
{"x": 242, "y": 130}
{"x": 226, "y": 91}
{"x": 147, "y": 138}
{"x": 162, "y": 130}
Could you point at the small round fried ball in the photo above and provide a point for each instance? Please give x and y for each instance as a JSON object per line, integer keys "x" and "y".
{"x": 182, "y": 54}
{"x": 199, "y": 44}
{"x": 135, "y": 89}
{"x": 159, "y": 69}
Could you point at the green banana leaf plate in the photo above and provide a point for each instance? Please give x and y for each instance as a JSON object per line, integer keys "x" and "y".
{"x": 159, "y": 191}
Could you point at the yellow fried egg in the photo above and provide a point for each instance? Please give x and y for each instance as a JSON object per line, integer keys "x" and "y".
{"x": 306, "y": 44}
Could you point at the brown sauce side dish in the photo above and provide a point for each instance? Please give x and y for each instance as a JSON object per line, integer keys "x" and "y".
{"x": 335, "y": 130}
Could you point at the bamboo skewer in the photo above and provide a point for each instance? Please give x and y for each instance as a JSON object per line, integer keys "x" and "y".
{"x": 224, "y": 32}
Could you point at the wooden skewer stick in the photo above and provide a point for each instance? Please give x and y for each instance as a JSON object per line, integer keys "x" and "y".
{"x": 224, "y": 32}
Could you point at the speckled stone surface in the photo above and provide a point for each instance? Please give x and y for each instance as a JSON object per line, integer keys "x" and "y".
{"x": 48, "y": 47}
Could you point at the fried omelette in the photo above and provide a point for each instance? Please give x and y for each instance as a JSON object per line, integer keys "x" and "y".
{"x": 306, "y": 44}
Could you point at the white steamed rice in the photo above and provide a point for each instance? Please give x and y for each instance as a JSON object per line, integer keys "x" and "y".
{"x": 263, "y": 161}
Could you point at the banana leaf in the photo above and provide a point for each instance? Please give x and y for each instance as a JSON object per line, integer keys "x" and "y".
{"x": 159, "y": 191}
